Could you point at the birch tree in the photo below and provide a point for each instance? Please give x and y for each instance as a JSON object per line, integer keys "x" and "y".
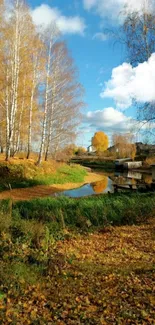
{"x": 66, "y": 101}
{"x": 17, "y": 41}
{"x": 38, "y": 85}
{"x": 37, "y": 58}
{"x": 50, "y": 39}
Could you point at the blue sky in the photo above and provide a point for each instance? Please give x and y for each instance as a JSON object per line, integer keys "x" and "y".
{"x": 83, "y": 24}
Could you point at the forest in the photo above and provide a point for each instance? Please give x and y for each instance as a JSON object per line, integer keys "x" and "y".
{"x": 40, "y": 96}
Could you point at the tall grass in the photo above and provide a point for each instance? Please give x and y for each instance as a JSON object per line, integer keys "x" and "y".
{"x": 117, "y": 209}
{"x": 32, "y": 220}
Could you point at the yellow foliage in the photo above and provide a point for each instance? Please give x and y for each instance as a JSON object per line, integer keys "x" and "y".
{"x": 100, "y": 141}
{"x": 150, "y": 160}
{"x": 147, "y": 178}
{"x": 100, "y": 186}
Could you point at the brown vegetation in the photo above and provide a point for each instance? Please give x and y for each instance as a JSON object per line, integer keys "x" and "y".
{"x": 124, "y": 145}
{"x": 103, "y": 278}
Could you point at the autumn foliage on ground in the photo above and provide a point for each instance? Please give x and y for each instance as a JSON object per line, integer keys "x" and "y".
{"x": 85, "y": 276}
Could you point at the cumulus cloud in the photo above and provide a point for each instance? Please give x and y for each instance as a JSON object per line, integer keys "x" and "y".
{"x": 44, "y": 15}
{"x": 108, "y": 119}
{"x": 128, "y": 84}
{"x": 112, "y": 8}
{"x": 111, "y": 120}
{"x": 100, "y": 36}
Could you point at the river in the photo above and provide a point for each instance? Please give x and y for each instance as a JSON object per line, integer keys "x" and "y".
{"x": 107, "y": 184}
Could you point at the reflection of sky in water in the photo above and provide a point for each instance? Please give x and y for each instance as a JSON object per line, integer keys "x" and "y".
{"x": 87, "y": 190}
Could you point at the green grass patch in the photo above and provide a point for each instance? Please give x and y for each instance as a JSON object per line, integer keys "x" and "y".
{"x": 65, "y": 174}
{"x": 38, "y": 220}
{"x": 20, "y": 176}
{"x": 116, "y": 209}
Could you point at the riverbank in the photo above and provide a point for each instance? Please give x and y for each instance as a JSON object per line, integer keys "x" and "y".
{"x": 54, "y": 274}
{"x": 86, "y": 213}
{"x": 25, "y": 173}
{"x": 108, "y": 164}
{"x": 39, "y": 191}
{"x": 95, "y": 162}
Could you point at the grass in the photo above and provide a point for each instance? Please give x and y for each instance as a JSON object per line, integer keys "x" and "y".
{"x": 26, "y": 174}
{"x": 38, "y": 219}
{"x": 117, "y": 209}
{"x": 64, "y": 174}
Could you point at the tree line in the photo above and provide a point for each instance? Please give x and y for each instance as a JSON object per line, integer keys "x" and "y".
{"x": 122, "y": 145}
{"x": 40, "y": 96}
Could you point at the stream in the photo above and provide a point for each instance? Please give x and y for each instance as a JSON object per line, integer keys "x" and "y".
{"x": 106, "y": 185}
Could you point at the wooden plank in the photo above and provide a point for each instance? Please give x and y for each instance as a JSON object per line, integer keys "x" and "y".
{"x": 132, "y": 164}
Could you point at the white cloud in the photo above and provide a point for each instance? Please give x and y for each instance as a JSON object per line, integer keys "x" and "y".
{"x": 108, "y": 119}
{"x": 128, "y": 84}
{"x": 111, "y": 120}
{"x": 112, "y": 8}
{"x": 44, "y": 15}
{"x": 100, "y": 36}
{"x": 89, "y": 4}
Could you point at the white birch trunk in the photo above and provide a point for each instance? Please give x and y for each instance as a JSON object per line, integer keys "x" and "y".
{"x": 45, "y": 107}
{"x": 20, "y": 116}
{"x": 15, "y": 80}
{"x": 7, "y": 117}
{"x": 31, "y": 108}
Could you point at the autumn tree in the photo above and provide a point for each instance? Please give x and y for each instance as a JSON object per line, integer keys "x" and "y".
{"x": 63, "y": 102}
{"x": 50, "y": 36}
{"x": 66, "y": 153}
{"x": 100, "y": 141}
{"x": 37, "y": 60}
{"x": 40, "y": 97}
{"x": 67, "y": 100}
{"x": 125, "y": 145}
{"x": 80, "y": 151}
{"x": 17, "y": 32}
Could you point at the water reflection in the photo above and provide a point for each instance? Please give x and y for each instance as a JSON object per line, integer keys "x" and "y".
{"x": 100, "y": 186}
{"x": 107, "y": 184}
{"x": 147, "y": 178}
{"x": 131, "y": 178}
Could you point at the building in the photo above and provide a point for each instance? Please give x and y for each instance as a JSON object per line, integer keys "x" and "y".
{"x": 147, "y": 149}
{"x": 90, "y": 149}
{"x": 114, "y": 148}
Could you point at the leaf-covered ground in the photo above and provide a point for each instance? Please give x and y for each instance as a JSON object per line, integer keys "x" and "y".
{"x": 107, "y": 277}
